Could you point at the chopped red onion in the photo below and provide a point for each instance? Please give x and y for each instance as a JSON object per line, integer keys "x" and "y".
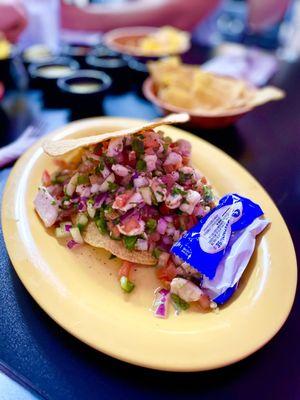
{"x": 99, "y": 200}
{"x": 71, "y": 244}
{"x": 162, "y": 226}
{"x": 68, "y": 227}
{"x": 161, "y": 302}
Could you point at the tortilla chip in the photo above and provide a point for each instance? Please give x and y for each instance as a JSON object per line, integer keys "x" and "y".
{"x": 94, "y": 238}
{"x": 190, "y": 88}
{"x": 60, "y": 147}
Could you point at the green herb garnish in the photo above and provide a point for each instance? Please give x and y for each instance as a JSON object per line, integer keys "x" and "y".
{"x": 101, "y": 222}
{"x": 151, "y": 225}
{"x": 177, "y": 190}
{"x": 184, "y": 177}
{"x": 153, "y": 198}
{"x": 130, "y": 242}
{"x": 83, "y": 180}
{"x": 110, "y": 160}
{"x": 138, "y": 146}
{"x": 178, "y": 303}
{"x": 112, "y": 187}
{"x": 207, "y": 192}
{"x": 58, "y": 179}
{"x": 156, "y": 253}
{"x": 100, "y": 167}
{"x": 141, "y": 165}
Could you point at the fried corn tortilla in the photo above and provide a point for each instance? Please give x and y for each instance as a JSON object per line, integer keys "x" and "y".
{"x": 94, "y": 238}
{"x": 61, "y": 147}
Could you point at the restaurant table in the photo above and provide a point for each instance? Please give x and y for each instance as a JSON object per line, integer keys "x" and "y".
{"x": 267, "y": 143}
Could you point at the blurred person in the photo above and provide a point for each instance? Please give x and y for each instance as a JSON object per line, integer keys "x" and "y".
{"x": 183, "y": 14}
{"x": 263, "y": 14}
{"x": 13, "y": 19}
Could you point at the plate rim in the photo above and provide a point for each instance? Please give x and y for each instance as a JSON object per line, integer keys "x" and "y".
{"x": 65, "y": 130}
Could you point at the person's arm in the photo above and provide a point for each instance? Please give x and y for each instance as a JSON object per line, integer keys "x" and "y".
{"x": 12, "y": 19}
{"x": 103, "y": 17}
{"x": 265, "y": 13}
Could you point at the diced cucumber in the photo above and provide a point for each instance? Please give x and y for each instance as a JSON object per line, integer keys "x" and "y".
{"x": 76, "y": 235}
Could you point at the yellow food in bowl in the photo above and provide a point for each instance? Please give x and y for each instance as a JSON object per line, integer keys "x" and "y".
{"x": 167, "y": 40}
{"x": 5, "y": 49}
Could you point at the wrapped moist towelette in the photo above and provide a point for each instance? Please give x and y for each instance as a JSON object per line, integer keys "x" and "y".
{"x": 222, "y": 243}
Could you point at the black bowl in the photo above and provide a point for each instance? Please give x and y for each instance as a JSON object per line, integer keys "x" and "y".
{"x": 78, "y": 51}
{"x": 111, "y": 63}
{"x": 45, "y": 76}
{"x": 84, "y": 90}
{"x": 139, "y": 72}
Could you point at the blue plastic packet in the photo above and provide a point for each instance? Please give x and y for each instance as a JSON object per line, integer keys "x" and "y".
{"x": 221, "y": 244}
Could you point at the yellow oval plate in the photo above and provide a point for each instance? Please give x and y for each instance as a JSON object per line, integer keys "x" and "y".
{"x": 80, "y": 291}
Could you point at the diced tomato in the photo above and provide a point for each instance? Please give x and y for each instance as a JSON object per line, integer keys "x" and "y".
{"x": 187, "y": 221}
{"x": 204, "y": 302}
{"x": 122, "y": 199}
{"x": 151, "y": 140}
{"x": 132, "y": 158}
{"x": 149, "y": 151}
{"x": 113, "y": 229}
{"x": 46, "y": 179}
{"x": 129, "y": 158}
{"x": 176, "y": 222}
{"x": 169, "y": 181}
{"x": 167, "y": 273}
{"x": 204, "y": 180}
{"x": 172, "y": 167}
{"x": 105, "y": 145}
{"x": 125, "y": 269}
{"x": 98, "y": 150}
{"x": 164, "y": 210}
{"x": 154, "y": 237}
{"x": 185, "y": 160}
{"x": 130, "y": 224}
{"x": 62, "y": 164}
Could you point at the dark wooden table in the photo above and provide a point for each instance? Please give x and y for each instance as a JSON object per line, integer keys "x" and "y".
{"x": 267, "y": 143}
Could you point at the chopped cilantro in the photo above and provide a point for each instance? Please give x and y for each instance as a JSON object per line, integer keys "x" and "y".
{"x": 153, "y": 198}
{"x": 98, "y": 148}
{"x": 207, "y": 192}
{"x": 141, "y": 165}
{"x": 100, "y": 167}
{"x": 101, "y": 222}
{"x": 151, "y": 225}
{"x": 129, "y": 242}
{"x": 110, "y": 160}
{"x": 58, "y": 179}
{"x": 177, "y": 190}
{"x": 156, "y": 253}
{"x": 112, "y": 187}
{"x": 178, "y": 303}
{"x": 138, "y": 146}
{"x": 82, "y": 180}
{"x": 53, "y": 202}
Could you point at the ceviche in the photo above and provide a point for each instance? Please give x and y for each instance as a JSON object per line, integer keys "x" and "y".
{"x": 134, "y": 195}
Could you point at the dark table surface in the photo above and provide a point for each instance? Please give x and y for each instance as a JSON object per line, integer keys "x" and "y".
{"x": 267, "y": 143}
